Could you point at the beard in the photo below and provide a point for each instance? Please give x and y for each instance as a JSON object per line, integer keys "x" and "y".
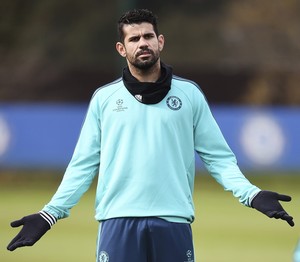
{"x": 144, "y": 64}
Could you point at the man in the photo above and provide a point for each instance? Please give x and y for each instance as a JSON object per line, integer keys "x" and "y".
{"x": 139, "y": 137}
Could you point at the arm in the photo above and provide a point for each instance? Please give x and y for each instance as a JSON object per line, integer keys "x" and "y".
{"x": 78, "y": 177}
{"x": 82, "y": 168}
{"x": 221, "y": 163}
{"x": 216, "y": 155}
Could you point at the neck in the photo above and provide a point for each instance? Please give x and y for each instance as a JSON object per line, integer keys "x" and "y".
{"x": 146, "y": 75}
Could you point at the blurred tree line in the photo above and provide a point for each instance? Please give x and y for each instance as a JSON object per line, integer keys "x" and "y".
{"x": 239, "y": 52}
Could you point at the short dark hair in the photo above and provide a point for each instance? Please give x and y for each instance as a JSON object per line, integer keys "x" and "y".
{"x": 136, "y": 16}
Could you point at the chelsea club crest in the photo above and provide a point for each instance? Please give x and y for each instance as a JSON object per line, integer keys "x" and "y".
{"x": 174, "y": 102}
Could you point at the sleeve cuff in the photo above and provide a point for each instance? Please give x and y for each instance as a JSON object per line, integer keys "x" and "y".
{"x": 251, "y": 199}
{"x": 51, "y": 220}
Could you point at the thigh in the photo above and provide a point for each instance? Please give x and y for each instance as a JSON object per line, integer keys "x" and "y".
{"x": 170, "y": 241}
{"x": 122, "y": 240}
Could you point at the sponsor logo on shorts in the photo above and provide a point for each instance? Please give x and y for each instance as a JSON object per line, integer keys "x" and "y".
{"x": 103, "y": 257}
{"x": 189, "y": 255}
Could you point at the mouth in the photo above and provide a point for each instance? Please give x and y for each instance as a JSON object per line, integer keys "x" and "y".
{"x": 144, "y": 53}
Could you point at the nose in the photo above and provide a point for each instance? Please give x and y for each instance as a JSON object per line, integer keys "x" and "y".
{"x": 143, "y": 43}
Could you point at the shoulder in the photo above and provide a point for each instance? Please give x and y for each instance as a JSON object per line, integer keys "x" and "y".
{"x": 187, "y": 86}
{"x": 109, "y": 88}
{"x": 104, "y": 92}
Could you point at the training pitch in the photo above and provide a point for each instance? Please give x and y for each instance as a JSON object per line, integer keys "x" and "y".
{"x": 224, "y": 230}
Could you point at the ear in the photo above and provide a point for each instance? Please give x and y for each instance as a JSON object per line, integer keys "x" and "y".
{"x": 121, "y": 49}
{"x": 161, "y": 42}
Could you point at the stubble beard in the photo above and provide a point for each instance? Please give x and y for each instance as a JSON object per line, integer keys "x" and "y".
{"x": 145, "y": 64}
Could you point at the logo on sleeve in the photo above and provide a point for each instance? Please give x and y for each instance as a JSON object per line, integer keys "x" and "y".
{"x": 174, "y": 102}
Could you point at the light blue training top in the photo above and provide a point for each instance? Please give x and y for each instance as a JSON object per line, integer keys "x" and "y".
{"x": 144, "y": 155}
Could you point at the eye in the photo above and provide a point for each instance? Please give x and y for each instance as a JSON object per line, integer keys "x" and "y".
{"x": 134, "y": 39}
{"x": 148, "y": 36}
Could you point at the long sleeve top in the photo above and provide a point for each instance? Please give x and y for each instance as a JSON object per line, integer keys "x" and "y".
{"x": 144, "y": 155}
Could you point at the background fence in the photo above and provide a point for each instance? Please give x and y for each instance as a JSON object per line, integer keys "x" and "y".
{"x": 44, "y": 135}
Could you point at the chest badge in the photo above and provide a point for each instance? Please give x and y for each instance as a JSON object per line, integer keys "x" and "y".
{"x": 174, "y": 102}
{"x": 120, "y": 106}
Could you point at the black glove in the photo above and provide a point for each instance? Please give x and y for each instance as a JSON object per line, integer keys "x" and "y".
{"x": 34, "y": 227}
{"x": 267, "y": 202}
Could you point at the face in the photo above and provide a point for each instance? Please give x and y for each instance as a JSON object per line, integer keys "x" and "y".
{"x": 141, "y": 45}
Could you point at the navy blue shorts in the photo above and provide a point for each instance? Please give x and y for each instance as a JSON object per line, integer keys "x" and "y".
{"x": 144, "y": 240}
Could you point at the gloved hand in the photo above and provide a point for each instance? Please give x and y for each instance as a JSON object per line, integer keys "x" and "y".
{"x": 34, "y": 227}
{"x": 267, "y": 202}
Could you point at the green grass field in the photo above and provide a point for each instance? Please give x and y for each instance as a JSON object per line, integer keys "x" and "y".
{"x": 224, "y": 230}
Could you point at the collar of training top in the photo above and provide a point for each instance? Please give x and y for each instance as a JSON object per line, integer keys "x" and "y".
{"x": 147, "y": 92}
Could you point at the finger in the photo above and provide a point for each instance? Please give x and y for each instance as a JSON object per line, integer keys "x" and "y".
{"x": 290, "y": 222}
{"x": 271, "y": 214}
{"x": 30, "y": 242}
{"x": 15, "y": 243}
{"x": 15, "y": 246}
{"x": 281, "y": 214}
{"x": 285, "y": 198}
{"x": 288, "y": 219}
{"x": 21, "y": 242}
{"x": 17, "y": 223}
{"x": 11, "y": 247}
{"x": 285, "y": 216}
